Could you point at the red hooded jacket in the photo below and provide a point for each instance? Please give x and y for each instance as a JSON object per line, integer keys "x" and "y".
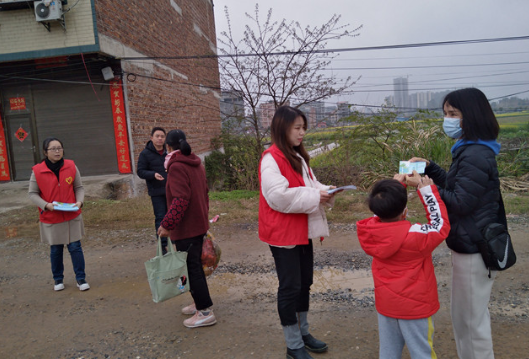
{"x": 403, "y": 272}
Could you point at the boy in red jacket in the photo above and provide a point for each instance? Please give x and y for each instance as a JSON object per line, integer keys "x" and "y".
{"x": 405, "y": 285}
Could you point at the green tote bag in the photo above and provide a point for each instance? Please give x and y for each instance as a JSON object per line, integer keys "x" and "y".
{"x": 167, "y": 274}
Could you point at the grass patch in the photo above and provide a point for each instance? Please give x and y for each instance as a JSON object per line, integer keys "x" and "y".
{"x": 232, "y": 195}
{"x": 512, "y": 121}
{"x": 239, "y": 206}
{"x": 131, "y": 213}
{"x": 22, "y": 222}
{"x": 136, "y": 213}
{"x": 512, "y": 115}
{"x": 349, "y": 207}
{"x": 516, "y": 203}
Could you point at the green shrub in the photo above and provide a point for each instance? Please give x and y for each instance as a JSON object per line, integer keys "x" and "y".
{"x": 369, "y": 148}
{"x": 373, "y": 148}
{"x": 237, "y": 167}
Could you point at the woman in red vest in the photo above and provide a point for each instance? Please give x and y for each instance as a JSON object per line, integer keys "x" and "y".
{"x": 58, "y": 180}
{"x": 291, "y": 212}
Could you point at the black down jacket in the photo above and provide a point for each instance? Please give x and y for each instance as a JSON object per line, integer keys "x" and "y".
{"x": 471, "y": 187}
{"x": 149, "y": 163}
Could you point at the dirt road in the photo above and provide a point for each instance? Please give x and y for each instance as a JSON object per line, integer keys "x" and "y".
{"x": 116, "y": 318}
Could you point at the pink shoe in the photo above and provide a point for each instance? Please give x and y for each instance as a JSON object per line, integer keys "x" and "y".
{"x": 200, "y": 319}
{"x": 189, "y": 310}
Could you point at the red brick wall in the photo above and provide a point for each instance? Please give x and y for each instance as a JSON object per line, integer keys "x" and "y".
{"x": 155, "y": 28}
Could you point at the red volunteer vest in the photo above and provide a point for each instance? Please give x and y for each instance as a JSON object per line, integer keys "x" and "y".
{"x": 278, "y": 228}
{"x": 53, "y": 190}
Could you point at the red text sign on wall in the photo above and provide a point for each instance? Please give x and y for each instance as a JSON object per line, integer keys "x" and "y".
{"x": 4, "y": 165}
{"x": 17, "y": 103}
{"x": 120, "y": 127}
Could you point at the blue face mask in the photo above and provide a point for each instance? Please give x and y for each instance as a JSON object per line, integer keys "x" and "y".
{"x": 452, "y": 127}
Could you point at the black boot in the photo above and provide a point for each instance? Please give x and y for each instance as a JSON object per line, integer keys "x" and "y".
{"x": 313, "y": 344}
{"x": 300, "y": 353}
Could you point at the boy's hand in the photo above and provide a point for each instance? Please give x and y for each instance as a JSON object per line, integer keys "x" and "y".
{"x": 425, "y": 181}
{"x": 414, "y": 179}
{"x": 400, "y": 177}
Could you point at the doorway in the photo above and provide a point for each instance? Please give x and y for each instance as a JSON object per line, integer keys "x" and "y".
{"x": 22, "y": 145}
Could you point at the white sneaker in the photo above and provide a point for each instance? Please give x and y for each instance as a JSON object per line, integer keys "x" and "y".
{"x": 83, "y": 285}
{"x": 59, "y": 285}
{"x": 190, "y": 309}
{"x": 200, "y": 319}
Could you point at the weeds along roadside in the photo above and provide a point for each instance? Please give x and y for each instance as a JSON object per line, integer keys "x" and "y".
{"x": 369, "y": 148}
{"x": 234, "y": 208}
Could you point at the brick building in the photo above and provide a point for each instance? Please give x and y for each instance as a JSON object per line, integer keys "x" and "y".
{"x": 99, "y": 74}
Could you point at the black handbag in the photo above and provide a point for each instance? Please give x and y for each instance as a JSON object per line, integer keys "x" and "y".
{"x": 495, "y": 243}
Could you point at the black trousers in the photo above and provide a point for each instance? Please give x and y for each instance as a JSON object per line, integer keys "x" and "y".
{"x": 295, "y": 269}
{"x": 197, "y": 279}
{"x": 159, "y": 207}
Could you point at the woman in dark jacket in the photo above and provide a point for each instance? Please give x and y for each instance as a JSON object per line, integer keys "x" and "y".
{"x": 187, "y": 221}
{"x": 471, "y": 191}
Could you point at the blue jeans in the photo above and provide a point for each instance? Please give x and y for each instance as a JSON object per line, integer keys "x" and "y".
{"x": 295, "y": 268}
{"x": 159, "y": 206}
{"x": 57, "y": 265}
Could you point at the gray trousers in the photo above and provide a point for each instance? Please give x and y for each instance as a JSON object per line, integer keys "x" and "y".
{"x": 417, "y": 334}
{"x": 469, "y": 306}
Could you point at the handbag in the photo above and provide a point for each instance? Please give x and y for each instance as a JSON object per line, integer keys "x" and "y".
{"x": 210, "y": 254}
{"x": 167, "y": 274}
{"x": 495, "y": 244}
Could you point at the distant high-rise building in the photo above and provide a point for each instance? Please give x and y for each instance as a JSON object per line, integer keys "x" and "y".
{"x": 343, "y": 110}
{"x": 330, "y": 114}
{"x": 400, "y": 88}
{"x": 314, "y": 112}
{"x": 310, "y": 112}
{"x": 266, "y": 113}
{"x": 231, "y": 105}
{"x": 420, "y": 99}
{"x": 319, "y": 106}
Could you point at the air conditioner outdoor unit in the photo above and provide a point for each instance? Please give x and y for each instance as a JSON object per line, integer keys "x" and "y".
{"x": 46, "y": 10}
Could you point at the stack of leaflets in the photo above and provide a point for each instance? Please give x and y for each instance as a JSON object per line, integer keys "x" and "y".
{"x": 350, "y": 187}
{"x": 67, "y": 207}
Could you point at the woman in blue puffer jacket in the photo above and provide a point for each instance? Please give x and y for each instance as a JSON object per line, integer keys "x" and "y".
{"x": 471, "y": 191}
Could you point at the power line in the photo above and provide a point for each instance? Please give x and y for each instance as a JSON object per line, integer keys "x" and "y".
{"x": 513, "y": 94}
{"x": 430, "y": 57}
{"x": 422, "y": 67}
{"x": 322, "y": 51}
{"x": 325, "y": 51}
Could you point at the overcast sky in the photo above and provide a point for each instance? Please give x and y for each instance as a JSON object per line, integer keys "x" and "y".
{"x": 497, "y": 68}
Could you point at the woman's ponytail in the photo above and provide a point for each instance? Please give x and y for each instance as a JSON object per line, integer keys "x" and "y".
{"x": 177, "y": 140}
{"x": 184, "y": 147}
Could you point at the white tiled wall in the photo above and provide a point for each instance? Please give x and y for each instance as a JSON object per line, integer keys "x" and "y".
{"x": 20, "y": 32}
